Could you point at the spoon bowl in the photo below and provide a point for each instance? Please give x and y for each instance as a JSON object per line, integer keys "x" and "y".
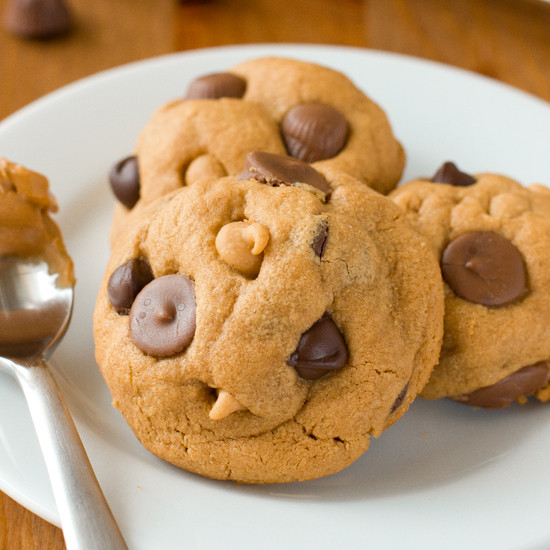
{"x": 35, "y": 308}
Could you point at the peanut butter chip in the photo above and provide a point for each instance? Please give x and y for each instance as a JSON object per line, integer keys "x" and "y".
{"x": 225, "y": 405}
{"x": 240, "y": 245}
{"x": 205, "y": 166}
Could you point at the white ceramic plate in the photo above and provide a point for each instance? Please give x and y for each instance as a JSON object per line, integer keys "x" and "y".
{"x": 445, "y": 476}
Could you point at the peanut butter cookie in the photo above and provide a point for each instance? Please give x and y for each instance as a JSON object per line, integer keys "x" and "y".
{"x": 492, "y": 236}
{"x": 261, "y": 329}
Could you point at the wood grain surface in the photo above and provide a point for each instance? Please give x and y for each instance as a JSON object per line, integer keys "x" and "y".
{"x": 508, "y": 40}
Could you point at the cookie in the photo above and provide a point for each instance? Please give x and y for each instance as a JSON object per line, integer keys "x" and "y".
{"x": 492, "y": 236}
{"x": 258, "y": 329}
{"x": 312, "y": 113}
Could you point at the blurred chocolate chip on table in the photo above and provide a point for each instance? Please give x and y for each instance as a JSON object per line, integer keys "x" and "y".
{"x": 37, "y": 19}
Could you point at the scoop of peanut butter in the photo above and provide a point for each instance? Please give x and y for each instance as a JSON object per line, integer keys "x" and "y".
{"x": 26, "y": 228}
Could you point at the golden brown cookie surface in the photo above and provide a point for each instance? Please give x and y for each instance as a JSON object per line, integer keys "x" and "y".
{"x": 274, "y": 372}
{"x": 492, "y": 236}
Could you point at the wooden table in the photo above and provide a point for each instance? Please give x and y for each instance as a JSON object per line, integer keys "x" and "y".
{"x": 508, "y": 40}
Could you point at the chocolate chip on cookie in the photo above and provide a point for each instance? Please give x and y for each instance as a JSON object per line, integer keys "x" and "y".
{"x": 485, "y": 268}
{"x": 278, "y": 170}
{"x": 314, "y": 131}
{"x": 126, "y": 282}
{"x": 162, "y": 317}
{"x": 125, "y": 181}
{"x": 320, "y": 239}
{"x": 399, "y": 399}
{"x": 515, "y": 387}
{"x": 449, "y": 173}
{"x": 215, "y": 86}
{"x": 321, "y": 349}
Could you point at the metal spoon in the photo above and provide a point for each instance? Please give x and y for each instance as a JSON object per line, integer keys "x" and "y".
{"x": 35, "y": 309}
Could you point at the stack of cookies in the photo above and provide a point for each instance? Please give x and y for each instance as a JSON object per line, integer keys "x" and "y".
{"x": 267, "y": 309}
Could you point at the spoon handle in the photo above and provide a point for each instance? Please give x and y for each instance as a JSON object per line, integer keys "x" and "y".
{"x": 86, "y": 519}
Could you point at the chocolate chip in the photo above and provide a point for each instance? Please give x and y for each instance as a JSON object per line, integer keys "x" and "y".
{"x": 321, "y": 349}
{"x": 320, "y": 240}
{"x": 314, "y": 131}
{"x": 484, "y": 268}
{"x": 278, "y": 170}
{"x": 37, "y": 18}
{"x": 214, "y": 86}
{"x": 399, "y": 399}
{"x": 126, "y": 282}
{"x": 124, "y": 180}
{"x": 162, "y": 318}
{"x": 449, "y": 173}
{"x": 520, "y": 384}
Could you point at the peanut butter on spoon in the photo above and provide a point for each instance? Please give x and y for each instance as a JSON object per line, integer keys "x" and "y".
{"x": 26, "y": 228}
